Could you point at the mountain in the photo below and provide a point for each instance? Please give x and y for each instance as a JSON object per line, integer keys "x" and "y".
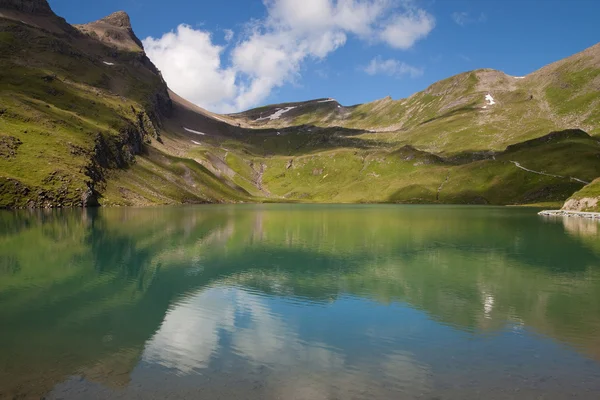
{"x": 477, "y": 110}
{"x": 82, "y": 108}
{"x": 114, "y": 30}
{"x": 87, "y": 119}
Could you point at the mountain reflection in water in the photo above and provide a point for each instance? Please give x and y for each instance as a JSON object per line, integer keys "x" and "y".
{"x": 295, "y": 301}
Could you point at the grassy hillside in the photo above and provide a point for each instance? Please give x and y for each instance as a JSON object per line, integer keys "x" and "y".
{"x": 454, "y": 115}
{"x": 79, "y": 115}
{"x": 347, "y": 173}
{"x": 86, "y": 119}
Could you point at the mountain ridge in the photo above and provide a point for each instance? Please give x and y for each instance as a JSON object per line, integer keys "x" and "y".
{"x": 87, "y": 119}
{"x": 466, "y": 93}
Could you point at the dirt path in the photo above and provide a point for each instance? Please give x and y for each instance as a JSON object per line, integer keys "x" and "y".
{"x": 518, "y": 165}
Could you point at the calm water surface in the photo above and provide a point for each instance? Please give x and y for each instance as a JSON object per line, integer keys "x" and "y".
{"x": 299, "y": 302}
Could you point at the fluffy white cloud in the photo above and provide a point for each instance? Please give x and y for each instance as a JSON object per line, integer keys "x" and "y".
{"x": 272, "y": 51}
{"x": 404, "y": 30}
{"x": 392, "y": 67}
{"x": 191, "y": 65}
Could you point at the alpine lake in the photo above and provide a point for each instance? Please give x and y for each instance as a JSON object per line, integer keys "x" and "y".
{"x": 299, "y": 302}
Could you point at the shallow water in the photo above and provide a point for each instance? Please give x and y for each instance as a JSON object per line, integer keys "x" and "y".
{"x": 299, "y": 302}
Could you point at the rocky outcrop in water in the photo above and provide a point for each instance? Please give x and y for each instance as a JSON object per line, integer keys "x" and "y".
{"x": 566, "y": 213}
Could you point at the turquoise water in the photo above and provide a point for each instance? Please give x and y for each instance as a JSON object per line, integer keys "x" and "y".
{"x": 299, "y": 302}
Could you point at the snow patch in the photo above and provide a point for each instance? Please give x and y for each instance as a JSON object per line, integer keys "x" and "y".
{"x": 490, "y": 100}
{"x": 325, "y": 101}
{"x": 519, "y": 77}
{"x": 193, "y": 131}
{"x": 108, "y": 63}
{"x": 198, "y": 143}
{"x": 277, "y": 114}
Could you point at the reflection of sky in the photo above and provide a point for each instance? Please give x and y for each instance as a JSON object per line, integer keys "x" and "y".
{"x": 189, "y": 333}
{"x": 348, "y": 348}
{"x": 222, "y": 322}
{"x": 227, "y": 342}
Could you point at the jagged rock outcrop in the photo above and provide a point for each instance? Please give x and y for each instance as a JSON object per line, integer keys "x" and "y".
{"x": 587, "y": 199}
{"x": 114, "y": 30}
{"x": 119, "y": 18}
{"x": 583, "y": 204}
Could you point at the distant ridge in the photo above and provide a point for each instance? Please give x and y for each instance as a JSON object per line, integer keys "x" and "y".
{"x": 86, "y": 119}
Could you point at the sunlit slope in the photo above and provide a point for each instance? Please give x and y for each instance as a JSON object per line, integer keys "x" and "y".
{"x": 478, "y": 110}
{"x": 331, "y": 166}
{"x": 86, "y": 119}
{"x": 83, "y": 109}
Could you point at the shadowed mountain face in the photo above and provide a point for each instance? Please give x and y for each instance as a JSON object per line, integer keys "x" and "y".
{"x": 86, "y": 119}
{"x": 40, "y": 7}
{"x": 187, "y": 295}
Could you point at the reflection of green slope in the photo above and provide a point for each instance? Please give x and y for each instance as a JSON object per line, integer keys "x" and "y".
{"x": 456, "y": 287}
{"x": 449, "y": 267}
{"x": 97, "y": 284}
{"x": 91, "y": 288}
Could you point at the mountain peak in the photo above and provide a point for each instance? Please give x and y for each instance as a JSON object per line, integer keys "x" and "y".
{"x": 115, "y": 30}
{"x": 119, "y": 19}
{"x": 29, "y": 6}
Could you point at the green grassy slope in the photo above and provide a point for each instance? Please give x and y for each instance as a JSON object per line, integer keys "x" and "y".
{"x": 405, "y": 174}
{"x": 86, "y": 119}
{"x": 78, "y": 116}
{"x": 453, "y": 115}
{"x": 454, "y": 120}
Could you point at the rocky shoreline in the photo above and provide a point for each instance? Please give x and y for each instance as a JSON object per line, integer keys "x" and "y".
{"x": 565, "y": 213}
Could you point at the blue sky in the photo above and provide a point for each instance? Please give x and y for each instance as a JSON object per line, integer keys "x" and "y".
{"x": 233, "y": 55}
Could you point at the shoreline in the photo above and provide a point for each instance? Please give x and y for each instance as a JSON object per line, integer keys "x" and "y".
{"x": 565, "y": 213}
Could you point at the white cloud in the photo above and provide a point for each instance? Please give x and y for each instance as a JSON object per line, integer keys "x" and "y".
{"x": 272, "y": 51}
{"x": 191, "y": 65}
{"x": 463, "y": 18}
{"x": 192, "y": 332}
{"x": 392, "y": 67}
{"x": 228, "y": 34}
{"x": 404, "y": 30}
